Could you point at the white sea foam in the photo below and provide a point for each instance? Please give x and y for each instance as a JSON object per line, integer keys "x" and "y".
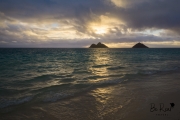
{"x": 52, "y": 97}
{"x": 9, "y": 102}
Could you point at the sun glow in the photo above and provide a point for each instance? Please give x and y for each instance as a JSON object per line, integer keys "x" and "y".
{"x": 118, "y": 3}
{"x": 126, "y": 3}
{"x": 100, "y": 30}
{"x": 104, "y": 25}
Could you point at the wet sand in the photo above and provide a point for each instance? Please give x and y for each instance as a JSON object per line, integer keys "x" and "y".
{"x": 145, "y": 98}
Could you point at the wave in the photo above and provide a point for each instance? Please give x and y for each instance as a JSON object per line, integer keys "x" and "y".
{"x": 29, "y": 82}
{"x": 151, "y": 72}
{"x": 9, "y": 102}
{"x": 11, "y": 91}
{"x": 80, "y": 71}
{"x": 55, "y": 96}
{"x": 42, "y": 78}
{"x": 94, "y": 77}
{"x": 148, "y": 72}
{"x": 110, "y": 81}
{"x": 115, "y": 68}
{"x": 171, "y": 69}
{"x": 67, "y": 80}
{"x": 100, "y": 66}
{"x": 56, "y": 92}
{"x": 76, "y": 89}
{"x": 53, "y": 87}
{"x": 116, "y": 75}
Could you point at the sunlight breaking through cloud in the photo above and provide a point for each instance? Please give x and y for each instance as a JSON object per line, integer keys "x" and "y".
{"x": 55, "y": 23}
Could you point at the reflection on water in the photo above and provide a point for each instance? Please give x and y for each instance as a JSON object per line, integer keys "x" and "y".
{"x": 110, "y": 100}
{"x": 101, "y": 60}
{"x": 102, "y": 95}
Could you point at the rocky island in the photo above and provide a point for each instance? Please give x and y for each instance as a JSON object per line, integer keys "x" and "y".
{"x": 99, "y": 45}
{"x": 139, "y": 45}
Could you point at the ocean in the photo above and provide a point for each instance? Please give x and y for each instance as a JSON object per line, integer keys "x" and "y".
{"x": 73, "y": 83}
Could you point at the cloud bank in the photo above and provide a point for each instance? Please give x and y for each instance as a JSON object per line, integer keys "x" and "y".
{"x": 70, "y": 23}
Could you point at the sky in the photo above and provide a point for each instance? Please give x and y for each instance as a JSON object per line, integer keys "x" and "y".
{"x": 79, "y": 23}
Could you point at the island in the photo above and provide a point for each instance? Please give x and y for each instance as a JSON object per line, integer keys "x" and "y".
{"x": 139, "y": 45}
{"x": 99, "y": 45}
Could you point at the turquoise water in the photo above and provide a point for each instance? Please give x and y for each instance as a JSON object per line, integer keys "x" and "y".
{"x": 31, "y": 76}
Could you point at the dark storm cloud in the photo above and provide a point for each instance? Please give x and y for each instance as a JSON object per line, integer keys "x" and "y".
{"x": 78, "y": 13}
{"x": 151, "y": 13}
{"x": 163, "y": 14}
{"x": 139, "y": 15}
{"x": 52, "y": 9}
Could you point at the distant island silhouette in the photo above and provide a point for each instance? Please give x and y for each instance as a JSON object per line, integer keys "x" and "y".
{"x": 99, "y": 45}
{"x": 139, "y": 45}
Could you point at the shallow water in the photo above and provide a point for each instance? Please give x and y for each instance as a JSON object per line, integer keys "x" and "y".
{"x": 43, "y": 76}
